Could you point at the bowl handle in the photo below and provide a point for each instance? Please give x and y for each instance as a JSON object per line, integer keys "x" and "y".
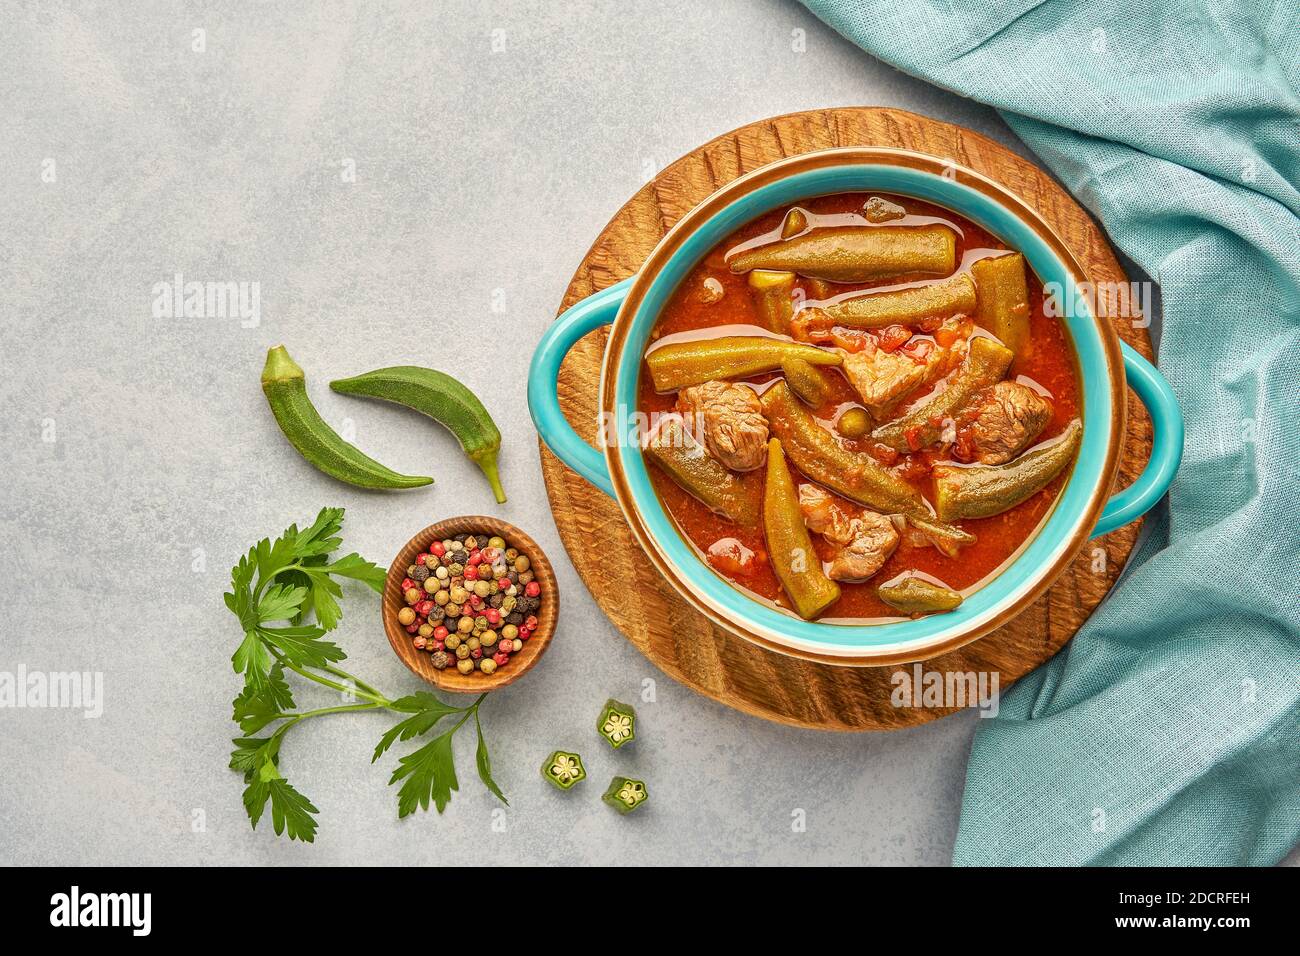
{"x": 543, "y": 382}
{"x": 1166, "y": 445}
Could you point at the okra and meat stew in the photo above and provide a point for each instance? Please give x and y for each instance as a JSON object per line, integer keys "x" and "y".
{"x": 859, "y": 409}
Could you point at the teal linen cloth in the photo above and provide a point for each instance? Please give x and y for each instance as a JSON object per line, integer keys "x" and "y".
{"x": 1168, "y": 730}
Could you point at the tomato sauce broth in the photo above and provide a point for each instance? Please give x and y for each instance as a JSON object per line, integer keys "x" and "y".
{"x": 1049, "y": 363}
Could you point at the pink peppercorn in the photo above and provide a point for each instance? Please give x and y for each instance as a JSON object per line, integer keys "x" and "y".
{"x": 501, "y": 657}
{"x": 474, "y": 559}
{"x": 412, "y": 629}
{"x": 440, "y": 633}
{"x": 530, "y": 622}
{"x": 476, "y": 653}
{"x": 503, "y": 583}
{"x": 439, "y": 646}
{"x": 419, "y": 643}
{"x": 532, "y": 589}
{"x": 407, "y": 584}
{"x": 493, "y": 615}
{"x": 419, "y": 559}
{"x": 525, "y": 634}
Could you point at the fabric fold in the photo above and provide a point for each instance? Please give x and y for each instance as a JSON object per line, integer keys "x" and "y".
{"x": 1168, "y": 730}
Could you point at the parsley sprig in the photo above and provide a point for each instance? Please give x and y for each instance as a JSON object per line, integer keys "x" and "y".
{"x": 285, "y": 593}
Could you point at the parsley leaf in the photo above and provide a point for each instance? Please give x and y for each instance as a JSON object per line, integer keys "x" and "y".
{"x": 356, "y": 567}
{"x": 430, "y": 774}
{"x": 251, "y": 752}
{"x": 485, "y": 764}
{"x": 253, "y": 660}
{"x": 291, "y": 579}
{"x": 254, "y": 708}
{"x": 290, "y": 810}
{"x": 280, "y": 603}
{"x": 427, "y": 710}
{"x": 302, "y": 645}
{"x": 272, "y": 558}
{"x": 322, "y": 536}
{"x": 324, "y": 593}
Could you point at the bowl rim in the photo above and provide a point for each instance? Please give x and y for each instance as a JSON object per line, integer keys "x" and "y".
{"x": 944, "y": 637}
{"x": 417, "y": 662}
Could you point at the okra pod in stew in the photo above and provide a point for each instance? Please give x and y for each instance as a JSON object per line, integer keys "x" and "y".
{"x": 677, "y": 364}
{"x": 859, "y": 408}
{"x": 856, "y": 253}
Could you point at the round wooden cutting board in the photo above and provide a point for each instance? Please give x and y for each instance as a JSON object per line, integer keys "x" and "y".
{"x": 644, "y": 606}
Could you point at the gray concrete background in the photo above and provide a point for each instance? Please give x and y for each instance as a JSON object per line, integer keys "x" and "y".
{"x": 490, "y": 144}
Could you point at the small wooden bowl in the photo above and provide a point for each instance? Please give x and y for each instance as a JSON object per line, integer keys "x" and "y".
{"x": 522, "y": 661}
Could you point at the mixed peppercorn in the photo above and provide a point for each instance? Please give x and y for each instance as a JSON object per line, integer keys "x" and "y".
{"x": 471, "y": 601}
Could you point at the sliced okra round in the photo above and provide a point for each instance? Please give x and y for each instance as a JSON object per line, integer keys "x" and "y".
{"x": 625, "y": 794}
{"x": 617, "y": 723}
{"x": 563, "y": 769}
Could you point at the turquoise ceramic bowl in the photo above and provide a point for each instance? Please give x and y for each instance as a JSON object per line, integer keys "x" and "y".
{"x": 1083, "y": 508}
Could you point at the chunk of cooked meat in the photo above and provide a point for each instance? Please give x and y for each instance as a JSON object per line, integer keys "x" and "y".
{"x": 1006, "y": 421}
{"x": 943, "y": 358}
{"x": 863, "y": 540}
{"x": 731, "y": 419}
{"x": 874, "y": 540}
{"x": 818, "y": 508}
{"x": 881, "y": 378}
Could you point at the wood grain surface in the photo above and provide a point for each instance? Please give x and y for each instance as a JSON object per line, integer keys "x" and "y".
{"x": 646, "y": 609}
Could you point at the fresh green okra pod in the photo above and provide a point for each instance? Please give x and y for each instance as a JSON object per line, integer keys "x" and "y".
{"x": 442, "y": 398}
{"x": 285, "y": 387}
